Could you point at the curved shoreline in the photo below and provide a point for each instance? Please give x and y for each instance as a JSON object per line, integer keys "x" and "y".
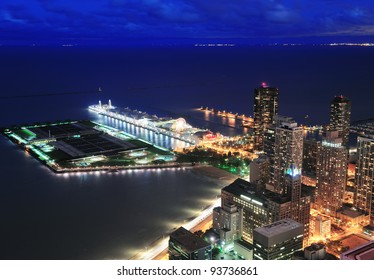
{"x": 157, "y": 249}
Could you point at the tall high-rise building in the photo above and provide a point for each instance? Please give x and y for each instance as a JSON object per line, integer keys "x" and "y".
{"x": 300, "y": 205}
{"x": 284, "y": 148}
{"x": 259, "y": 171}
{"x": 269, "y": 143}
{"x": 278, "y": 241}
{"x": 264, "y": 110}
{"x": 288, "y": 148}
{"x": 293, "y": 185}
{"x": 331, "y": 173}
{"x": 364, "y": 177}
{"x": 340, "y": 117}
{"x": 310, "y": 151}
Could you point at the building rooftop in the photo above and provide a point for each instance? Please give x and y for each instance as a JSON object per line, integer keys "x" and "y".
{"x": 249, "y": 192}
{"x": 279, "y": 119}
{"x": 322, "y": 218}
{"x": 364, "y": 252}
{"x": 276, "y": 197}
{"x": 244, "y": 189}
{"x": 267, "y": 86}
{"x": 260, "y": 159}
{"x": 315, "y": 247}
{"x": 278, "y": 227}
{"x": 350, "y": 213}
{"x": 340, "y": 99}
{"x": 189, "y": 240}
{"x": 367, "y": 138}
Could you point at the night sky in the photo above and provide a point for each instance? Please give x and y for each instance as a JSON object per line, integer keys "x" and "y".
{"x": 126, "y": 21}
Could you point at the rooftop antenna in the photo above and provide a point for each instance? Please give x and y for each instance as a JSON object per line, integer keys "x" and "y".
{"x": 110, "y": 104}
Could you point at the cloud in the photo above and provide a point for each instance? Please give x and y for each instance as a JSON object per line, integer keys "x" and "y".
{"x": 132, "y": 26}
{"x": 281, "y": 14}
{"x": 176, "y": 11}
{"x": 7, "y": 16}
{"x": 186, "y": 18}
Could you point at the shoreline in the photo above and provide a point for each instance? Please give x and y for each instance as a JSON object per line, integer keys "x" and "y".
{"x": 157, "y": 249}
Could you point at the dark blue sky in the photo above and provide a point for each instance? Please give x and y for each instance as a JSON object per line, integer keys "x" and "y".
{"x": 125, "y": 21}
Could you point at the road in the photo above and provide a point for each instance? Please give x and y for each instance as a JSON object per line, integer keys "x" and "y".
{"x": 158, "y": 250}
{"x": 203, "y": 226}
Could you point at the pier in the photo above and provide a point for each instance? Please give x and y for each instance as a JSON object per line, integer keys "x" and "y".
{"x": 177, "y": 129}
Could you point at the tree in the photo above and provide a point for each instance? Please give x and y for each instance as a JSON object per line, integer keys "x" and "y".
{"x": 215, "y": 251}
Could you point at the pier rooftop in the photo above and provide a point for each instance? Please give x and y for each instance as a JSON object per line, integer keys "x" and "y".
{"x": 86, "y": 146}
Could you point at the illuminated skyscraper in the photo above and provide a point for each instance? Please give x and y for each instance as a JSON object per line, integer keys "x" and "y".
{"x": 364, "y": 199}
{"x": 293, "y": 185}
{"x": 269, "y": 143}
{"x": 300, "y": 205}
{"x": 259, "y": 171}
{"x": 288, "y": 148}
{"x": 331, "y": 173}
{"x": 288, "y": 160}
{"x": 264, "y": 110}
{"x": 340, "y": 117}
{"x": 311, "y": 149}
